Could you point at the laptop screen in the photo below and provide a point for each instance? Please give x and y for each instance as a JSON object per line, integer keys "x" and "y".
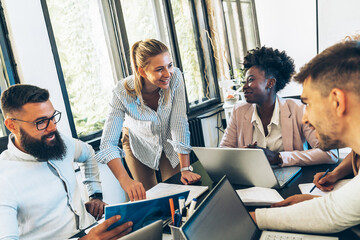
{"x": 221, "y": 215}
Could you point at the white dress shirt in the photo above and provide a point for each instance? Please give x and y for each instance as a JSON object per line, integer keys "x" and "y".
{"x": 273, "y": 141}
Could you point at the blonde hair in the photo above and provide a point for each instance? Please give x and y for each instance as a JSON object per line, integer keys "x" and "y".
{"x": 140, "y": 54}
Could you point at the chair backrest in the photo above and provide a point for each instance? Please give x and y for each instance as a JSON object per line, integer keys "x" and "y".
{"x": 3, "y": 143}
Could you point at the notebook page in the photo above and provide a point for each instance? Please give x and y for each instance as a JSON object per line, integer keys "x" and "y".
{"x": 306, "y": 187}
{"x": 259, "y": 196}
{"x": 165, "y": 189}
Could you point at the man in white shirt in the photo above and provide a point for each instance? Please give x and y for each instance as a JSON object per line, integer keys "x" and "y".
{"x": 331, "y": 87}
{"x": 40, "y": 197}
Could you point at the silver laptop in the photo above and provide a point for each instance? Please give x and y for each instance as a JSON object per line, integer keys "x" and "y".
{"x": 245, "y": 166}
{"x": 222, "y": 215}
{"x": 152, "y": 231}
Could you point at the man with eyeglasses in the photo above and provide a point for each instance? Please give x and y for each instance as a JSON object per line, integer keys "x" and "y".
{"x": 39, "y": 195}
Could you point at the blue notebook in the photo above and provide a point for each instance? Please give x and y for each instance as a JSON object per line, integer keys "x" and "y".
{"x": 143, "y": 212}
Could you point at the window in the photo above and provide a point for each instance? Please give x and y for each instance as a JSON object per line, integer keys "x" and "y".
{"x": 92, "y": 39}
{"x": 87, "y": 64}
{"x": 241, "y": 29}
{"x": 182, "y": 26}
{"x": 8, "y": 74}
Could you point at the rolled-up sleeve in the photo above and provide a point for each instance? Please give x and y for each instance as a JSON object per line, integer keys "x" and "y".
{"x": 178, "y": 119}
{"x": 109, "y": 148}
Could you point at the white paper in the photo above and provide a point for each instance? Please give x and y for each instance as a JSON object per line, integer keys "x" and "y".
{"x": 259, "y": 196}
{"x": 166, "y": 189}
{"x": 306, "y": 187}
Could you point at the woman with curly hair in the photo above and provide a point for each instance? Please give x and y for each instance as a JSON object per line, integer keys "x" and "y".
{"x": 268, "y": 121}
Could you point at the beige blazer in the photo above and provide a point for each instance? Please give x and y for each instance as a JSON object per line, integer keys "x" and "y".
{"x": 239, "y": 133}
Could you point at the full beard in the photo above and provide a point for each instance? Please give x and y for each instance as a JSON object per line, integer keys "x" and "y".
{"x": 41, "y": 149}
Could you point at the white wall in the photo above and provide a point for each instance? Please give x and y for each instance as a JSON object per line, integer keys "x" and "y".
{"x": 291, "y": 25}
{"x": 337, "y": 19}
{"x": 32, "y": 51}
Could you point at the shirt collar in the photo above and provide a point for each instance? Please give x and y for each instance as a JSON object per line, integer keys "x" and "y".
{"x": 17, "y": 152}
{"x": 275, "y": 119}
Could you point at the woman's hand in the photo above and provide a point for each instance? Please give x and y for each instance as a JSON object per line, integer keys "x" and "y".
{"x": 188, "y": 177}
{"x": 133, "y": 188}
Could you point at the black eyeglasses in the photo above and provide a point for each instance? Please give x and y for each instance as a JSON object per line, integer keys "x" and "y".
{"x": 44, "y": 123}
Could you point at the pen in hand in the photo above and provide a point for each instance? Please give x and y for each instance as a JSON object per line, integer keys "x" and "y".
{"x": 320, "y": 178}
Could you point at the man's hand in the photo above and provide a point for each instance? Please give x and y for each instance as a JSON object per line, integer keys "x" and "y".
{"x": 133, "y": 188}
{"x": 188, "y": 177}
{"x": 326, "y": 183}
{"x": 100, "y": 232}
{"x": 294, "y": 199}
{"x": 95, "y": 207}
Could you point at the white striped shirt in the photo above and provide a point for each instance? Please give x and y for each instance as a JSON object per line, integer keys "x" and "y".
{"x": 150, "y": 132}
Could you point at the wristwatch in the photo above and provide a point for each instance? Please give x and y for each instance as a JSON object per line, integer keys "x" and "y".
{"x": 188, "y": 168}
{"x": 96, "y": 196}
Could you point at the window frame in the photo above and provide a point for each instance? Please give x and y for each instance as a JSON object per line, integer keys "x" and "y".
{"x": 115, "y": 23}
{"x": 58, "y": 67}
{"x": 9, "y": 64}
{"x": 242, "y": 30}
{"x": 170, "y": 25}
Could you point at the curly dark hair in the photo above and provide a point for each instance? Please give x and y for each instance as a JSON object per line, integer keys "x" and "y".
{"x": 273, "y": 62}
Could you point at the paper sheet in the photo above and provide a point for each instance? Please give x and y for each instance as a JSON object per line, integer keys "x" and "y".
{"x": 259, "y": 196}
{"x": 166, "y": 189}
{"x": 306, "y": 187}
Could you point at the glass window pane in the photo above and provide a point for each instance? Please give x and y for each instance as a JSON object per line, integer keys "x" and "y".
{"x": 205, "y": 45}
{"x": 188, "y": 52}
{"x": 151, "y": 24}
{"x": 85, "y": 60}
{"x": 239, "y": 38}
{"x": 234, "y": 34}
{"x": 249, "y": 25}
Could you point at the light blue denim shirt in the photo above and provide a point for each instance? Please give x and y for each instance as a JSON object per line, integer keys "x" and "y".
{"x": 41, "y": 200}
{"x": 150, "y": 132}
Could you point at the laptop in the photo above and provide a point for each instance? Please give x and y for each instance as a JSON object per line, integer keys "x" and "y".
{"x": 152, "y": 231}
{"x": 245, "y": 166}
{"x": 222, "y": 215}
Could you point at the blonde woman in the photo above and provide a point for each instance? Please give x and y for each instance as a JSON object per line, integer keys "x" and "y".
{"x": 149, "y": 108}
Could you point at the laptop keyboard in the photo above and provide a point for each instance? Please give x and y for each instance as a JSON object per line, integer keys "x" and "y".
{"x": 274, "y": 236}
{"x": 284, "y": 174}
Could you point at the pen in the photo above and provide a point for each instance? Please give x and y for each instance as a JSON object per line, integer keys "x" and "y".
{"x": 320, "y": 178}
{"x": 181, "y": 203}
{"x": 172, "y": 209}
{"x": 177, "y": 218}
